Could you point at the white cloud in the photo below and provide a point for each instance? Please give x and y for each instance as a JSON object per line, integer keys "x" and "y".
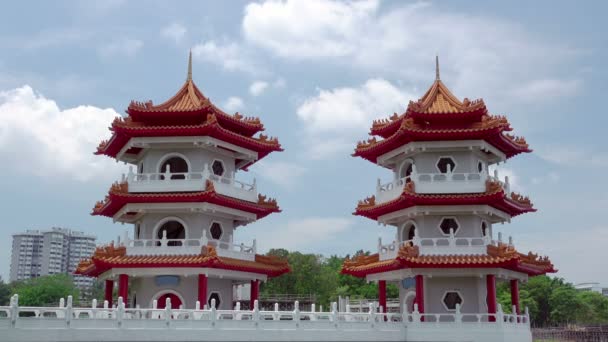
{"x": 229, "y": 55}
{"x": 234, "y": 104}
{"x": 174, "y": 31}
{"x": 346, "y": 108}
{"x": 502, "y": 60}
{"x": 37, "y": 137}
{"x": 257, "y": 88}
{"x": 573, "y": 156}
{"x": 311, "y": 232}
{"x": 123, "y": 47}
{"x": 284, "y": 174}
{"x": 335, "y": 119}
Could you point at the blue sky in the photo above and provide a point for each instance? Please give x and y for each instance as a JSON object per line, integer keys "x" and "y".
{"x": 317, "y": 74}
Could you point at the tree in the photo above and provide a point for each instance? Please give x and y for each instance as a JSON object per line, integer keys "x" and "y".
{"x": 564, "y": 304}
{"x": 47, "y": 290}
{"x": 593, "y": 308}
{"x": 5, "y": 293}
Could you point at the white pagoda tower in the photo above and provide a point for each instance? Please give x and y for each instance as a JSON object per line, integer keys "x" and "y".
{"x": 443, "y": 203}
{"x": 185, "y": 204}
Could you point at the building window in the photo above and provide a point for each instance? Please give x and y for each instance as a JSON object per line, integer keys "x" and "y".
{"x": 450, "y": 299}
{"x": 446, "y": 163}
{"x": 480, "y": 166}
{"x": 216, "y": 296}
{"x": 448, "y": 223}
{"x": 175, "y": 230}
{"x": 484, "y": 229}
{"x": 218, "y": 167}
{"x": 216, "y": 230}
{"x": 408, "y": 231}
{"x": 175, "y": 165}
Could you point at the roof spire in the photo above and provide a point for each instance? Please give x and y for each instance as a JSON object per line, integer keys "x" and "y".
{"x": 189, "y": 67}
{"x": 437, "y": 68}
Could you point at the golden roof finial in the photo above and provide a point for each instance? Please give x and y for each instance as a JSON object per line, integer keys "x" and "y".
{"x": 189, "y": 67}
{"x": 437, "y": 68}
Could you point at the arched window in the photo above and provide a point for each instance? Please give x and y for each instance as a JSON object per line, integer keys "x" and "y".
{"x": 408, "y": 231}
{"x": 406, "y": 170}
{"x": 485, "y": 230}
{"x": 176, "y": 165}
{"x": 175, "y": 230}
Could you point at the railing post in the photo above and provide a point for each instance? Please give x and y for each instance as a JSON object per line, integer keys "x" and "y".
{"x": 458, "y": 315}
{"x": 313, "y": 317}
{"x": 527, "y": 313}
{"x": 296, "y": 311}
{"x": 163, "y": 240}
{"x": 452, "y": 240}
{"x": 334, "y": 313}
{"x": 120, "y": 310}
{"x": 276, "y": 315}
{"x": 168, "y": 311}
{"x": 68, "y": 312}
{"x": 15, "y": 310}
{"x": 255, "y": 246}
{"x": 372, "y": 313}
{"x": 416, "y": 314}
{"x": 213, "y": 311}
{"x": 256, "y": 311}
{"x": 500, "y": 315}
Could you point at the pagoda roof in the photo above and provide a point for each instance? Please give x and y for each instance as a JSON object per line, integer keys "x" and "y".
{"x": 495, "y": 196}
{"x": 106, "y": 258}
{"x": 500, "y": 255}
{"x": 438, "y": 116}
{"x": 119, "y": 195}
{"x": 125, "y": 128}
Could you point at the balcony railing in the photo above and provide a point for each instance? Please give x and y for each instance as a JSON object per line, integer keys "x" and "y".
{"x": 166, "y": 246}
{"x": 441, "y": 245}
{"x": 190, "y": 181}
{"x": 438, "y": 183}
{"x": 178, "y": 324}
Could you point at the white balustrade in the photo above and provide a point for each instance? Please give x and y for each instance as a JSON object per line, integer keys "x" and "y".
{"x": 166, "y": 246}
{"x": 438, "y": 246}
{"x": 190, "y": 181}
{"x": 439, "y": 183}
{"x": 175, "y": 324}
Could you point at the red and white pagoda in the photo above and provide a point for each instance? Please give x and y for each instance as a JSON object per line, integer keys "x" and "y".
{"x": 443, "y": 202}
{"x": 185, "y": 204}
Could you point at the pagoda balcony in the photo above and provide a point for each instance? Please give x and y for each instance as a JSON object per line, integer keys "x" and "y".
{"x": 190, "y": 181}
{"x": 438, "y": 183}
{"x": 449, "y": 245}
{"x": 166, "y": 246}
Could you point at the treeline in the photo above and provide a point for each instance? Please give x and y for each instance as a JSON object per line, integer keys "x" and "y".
{"x": 551, "y": 301}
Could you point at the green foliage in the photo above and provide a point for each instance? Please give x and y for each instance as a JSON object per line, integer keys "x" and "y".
{"x": 45, "y": 290}
{"x": 5, "y": 293}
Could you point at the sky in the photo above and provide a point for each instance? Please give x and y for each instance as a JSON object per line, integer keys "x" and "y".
{"x": 317, "y": 73}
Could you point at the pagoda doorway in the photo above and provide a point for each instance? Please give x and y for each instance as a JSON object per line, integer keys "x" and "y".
{"x": 176, "y": 302}
{"x": 407, "y": 232}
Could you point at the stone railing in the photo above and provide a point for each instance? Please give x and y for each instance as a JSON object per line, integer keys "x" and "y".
{"x": 441, "y": 245}
{"x": 439, "y": 183}
{"x": 190, "y": 181}
{"x": 166, "y": 246}
{"x": 68, "y": 323}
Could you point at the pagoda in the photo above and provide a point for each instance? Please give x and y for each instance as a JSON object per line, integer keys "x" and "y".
{"x": 444, "y": 203}
{"x": 184, "y": 203}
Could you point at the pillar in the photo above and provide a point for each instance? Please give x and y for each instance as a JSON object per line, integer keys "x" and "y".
{"x": 202, "y": 289}
{"x": 255, "y": 292}
{"x": 123, "y": 287}
{"x": 382, "y": 295}
{"x": 109, "y": 291}
{"x": 491, "y": 296}
{"x": 420, "y": 293}
{"x": 515, "y": 295}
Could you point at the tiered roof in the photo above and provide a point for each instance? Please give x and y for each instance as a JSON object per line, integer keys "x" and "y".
{"x": 439, "y": 115}
{"x": 187, "y": 113}
{"x": 501, "y": 255}
{"x": 119, "y": 196}
{"x": 495, "y": 196}
{"x": 108, "y": 257}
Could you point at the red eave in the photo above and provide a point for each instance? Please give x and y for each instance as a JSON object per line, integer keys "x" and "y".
{"x": 123, "y": 133}
{"x": 118, "y": 199}
{"x": 495, "y": 198}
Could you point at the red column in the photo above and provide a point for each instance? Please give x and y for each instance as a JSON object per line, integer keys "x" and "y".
{"x": 255, "y": 291}
{"x": 491, "y": 295}
{"x": 109, "y": 291}
{"x": 515, "y": 295}
{"x": 123, "y": 287}
{"x": 420, "y": 293}
{"x": 202, "y": 289}
{"x": 382, "y": 294}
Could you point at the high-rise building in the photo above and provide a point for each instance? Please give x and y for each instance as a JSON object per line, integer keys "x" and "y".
{"x": 44, "y": 252}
